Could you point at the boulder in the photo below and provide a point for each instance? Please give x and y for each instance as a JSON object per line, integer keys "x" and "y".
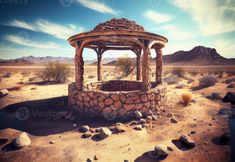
{"x": 22, "y": 140}
{"x": 143, "y": 121}
{"x": 119, "y": 127}
{"x": 87, "y": 134}
{"x": 138, "y": 114}
{"x": 138, "y": 127}
{"x": 161, "y": 150}
{"x": 3, "y": 92}
{"x": 104, "y": 132}
{"x": 187, "y": 140}
{"x": 173, "y": 120}
{"x": 229, "y": 97}
{"x": 85, "y": 128}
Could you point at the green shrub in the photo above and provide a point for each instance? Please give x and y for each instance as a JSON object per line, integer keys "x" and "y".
{"x": 55, "y": 72}
{"x": 124, "y": 65}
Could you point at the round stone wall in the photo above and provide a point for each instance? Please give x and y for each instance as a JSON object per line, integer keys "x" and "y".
{"x": 109, "y": 100}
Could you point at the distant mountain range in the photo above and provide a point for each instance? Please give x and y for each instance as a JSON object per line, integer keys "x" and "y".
{"x": 199, "y": 55}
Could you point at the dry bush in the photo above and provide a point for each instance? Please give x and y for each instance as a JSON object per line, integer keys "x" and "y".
{"x": 229, "y": 80}
{"x": 171, "y": 79}
{"x": 186, "y": 97}
{"x": 55, "y": 72}
{"x": 207, "y": 81}
{"x": 178, "y": 71}
{"x": 124, "y": 65}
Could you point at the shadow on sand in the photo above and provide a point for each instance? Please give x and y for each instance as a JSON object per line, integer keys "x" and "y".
{"x": 45, "y": 117}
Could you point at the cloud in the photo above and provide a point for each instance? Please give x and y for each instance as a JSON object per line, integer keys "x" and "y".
{"x": 212, "y": 16}
{"x": 29, "y": 43}
{"x": 224, "y": 47}
{"x": 175, "y": 33}
{"x": 97, "y": 6}
{"x": 45, "y": 26}
{"x": 157, "y": 17}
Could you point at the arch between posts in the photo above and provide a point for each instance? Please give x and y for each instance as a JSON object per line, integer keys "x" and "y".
{"x": 79, "y": 62}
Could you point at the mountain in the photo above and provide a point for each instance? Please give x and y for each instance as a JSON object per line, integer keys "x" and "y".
{"x": 31, "y": 60}
{"x": 199, "y": 55}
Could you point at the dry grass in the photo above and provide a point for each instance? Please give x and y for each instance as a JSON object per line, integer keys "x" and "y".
{"x": 186, "y": 98}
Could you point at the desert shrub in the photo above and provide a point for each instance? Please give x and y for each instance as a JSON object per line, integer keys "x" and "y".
{"x": 171, "y": 79}
{"x": 178, "y": 71}
{"x": 207, "y": 81}
{"x": 91, "y": 76}
{"x": 124, "y": 65}
{"x": 55, "y": 72}
{"x": 7, "y": 75}
{"x": 229, "y": 80}
{"x": 186, "y": 97}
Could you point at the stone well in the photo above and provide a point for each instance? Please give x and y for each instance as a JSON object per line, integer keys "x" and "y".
{"x": 117, "y": 99}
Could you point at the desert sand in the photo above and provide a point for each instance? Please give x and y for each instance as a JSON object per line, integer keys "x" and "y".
{"x": 200, "y": 120}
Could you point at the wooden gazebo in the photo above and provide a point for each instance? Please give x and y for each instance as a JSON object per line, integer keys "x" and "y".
{"x": 119, "y": 34}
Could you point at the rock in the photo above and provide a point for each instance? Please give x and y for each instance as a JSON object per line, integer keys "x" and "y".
{"x": 52, "y": 142}
{"x": 149, "y": 118}
{"x": 161, "y": 150}
{"x": 154, "y": 117}
{"x": 133, "y": 122}
{"x": 216, "y": 96}
{"x": 138, "y": 127}
{"x": 120, "y": 127}
{"x": 88, "y": 160}
{"x": 173, "y": 120}
{"x": 108, "y": 101}
{"x": 142, "y": 121}
{"x": 3, "y": 92}
{"x": 104, "y": 132}
{"x": 138, "y": 114}
{"x": 229, "y": 97}
{"x": 85, "y": 128}
{"x": 22, "y": 140}
{"x": 87, "y": 134}
{"x": 224, "y": 138}
{"x": 95, "y": 157}
{"x": 179, "y": 86}
{"x": 187, "y": 140}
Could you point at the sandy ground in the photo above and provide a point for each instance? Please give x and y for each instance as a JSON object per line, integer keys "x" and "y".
{"x": 199, "y": 119}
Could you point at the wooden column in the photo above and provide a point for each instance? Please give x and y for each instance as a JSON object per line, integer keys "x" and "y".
{"x": 158, "y": 63}
{"x": 138, "y": 63}
{"x": 79, "y": 68}
{"x": 99, "y": 52}
{"x": 145, "y": 68}
{"x": 99, "y": 66}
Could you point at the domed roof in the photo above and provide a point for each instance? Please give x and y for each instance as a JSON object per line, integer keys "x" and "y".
{"x": 118, "y": 24}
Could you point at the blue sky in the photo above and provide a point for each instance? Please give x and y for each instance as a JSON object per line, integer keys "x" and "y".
{"x": 41, "y": 28}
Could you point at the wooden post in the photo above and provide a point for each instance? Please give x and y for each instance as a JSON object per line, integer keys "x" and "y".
{"x": 99, "y": 52}
{"x": 158, "y": 64}
{"x": 145, "y": 68}
{"x": 138, "y": 63}
{"x": 79, "y": 69}
{"x": 99, "y": 66}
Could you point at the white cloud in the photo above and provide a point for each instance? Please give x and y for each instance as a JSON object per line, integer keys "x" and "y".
{"x": 29, "y": 43}
{"x": 212, "y": 16}
{"x": 224, "y": 47}
{"x": 175, "y": 33}
{"x": 44, "y": 26}
{"x": 97, "y": 6}
{"x": 157, "y": 17}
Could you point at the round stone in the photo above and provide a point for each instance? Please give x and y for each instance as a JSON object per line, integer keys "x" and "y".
{"x": 144, "y": 98}
{"x": 85, "y": 128}
{"x": 104, "y": 132}
{"x": 128, "y": 106}
{"x": 138, "y": 114}
{"x": 108, "y": 101}
{"x": 115, "y": 97}
{"x": 22, "y": 140}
